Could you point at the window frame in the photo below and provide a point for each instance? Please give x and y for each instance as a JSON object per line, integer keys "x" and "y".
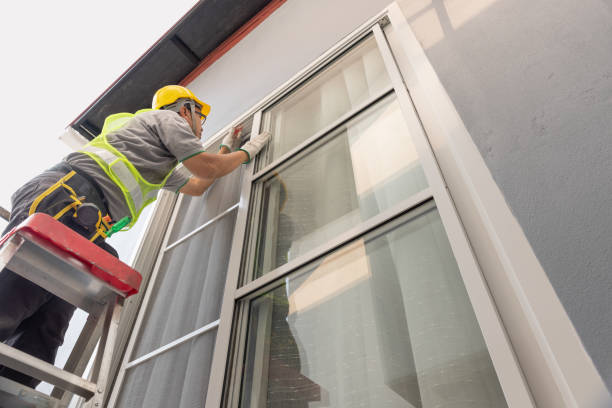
{"x": 128, "y": 361}
{"x": 230, "y": 344}
{"x": 304, "y": 149}
{"x": 552, "y": 357}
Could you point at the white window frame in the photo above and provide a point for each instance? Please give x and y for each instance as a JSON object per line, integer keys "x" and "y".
{"x": 223, "y": 386}
{"x": 555, "y": 365}
{"x": 128, "y": 361}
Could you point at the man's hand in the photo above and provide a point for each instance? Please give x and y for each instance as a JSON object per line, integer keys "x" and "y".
{"x": 212, "y": 166}
{"x": 232, "y": 140}
{"x": 254, "y": 146}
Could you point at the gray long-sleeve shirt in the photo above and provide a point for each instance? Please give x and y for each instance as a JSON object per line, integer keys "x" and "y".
{"x": 154, "y": 142}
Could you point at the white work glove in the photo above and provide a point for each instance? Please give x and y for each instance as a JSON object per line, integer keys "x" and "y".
{"x": 232, "y": 139}
{"x": 254, "y": 146}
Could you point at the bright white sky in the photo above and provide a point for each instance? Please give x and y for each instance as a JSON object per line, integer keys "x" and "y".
{"x": 57, "y": 57}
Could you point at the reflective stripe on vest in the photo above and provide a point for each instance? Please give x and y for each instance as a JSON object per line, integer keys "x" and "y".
{"x": 137, "y": 191}
{"x": 121, "y": 171}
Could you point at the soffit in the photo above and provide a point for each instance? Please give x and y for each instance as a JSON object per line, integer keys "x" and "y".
{"x": 170, "y": 59}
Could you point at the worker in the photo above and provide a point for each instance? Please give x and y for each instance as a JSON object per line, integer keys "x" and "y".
{"x": 103, "y": 188}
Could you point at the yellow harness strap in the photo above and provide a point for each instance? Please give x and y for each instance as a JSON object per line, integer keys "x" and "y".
{"x": 51, "y": 189}
{"x": 102, "y": 226}
{"x": 74, "y": 205}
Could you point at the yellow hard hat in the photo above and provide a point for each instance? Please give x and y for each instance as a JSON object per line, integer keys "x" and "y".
{"x": 171, "y": 93}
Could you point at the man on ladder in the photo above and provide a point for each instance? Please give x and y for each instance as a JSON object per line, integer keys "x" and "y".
{"x": 102, "y": 189}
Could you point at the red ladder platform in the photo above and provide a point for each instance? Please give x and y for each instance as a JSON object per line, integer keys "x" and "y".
{"x": 51, "y": 255}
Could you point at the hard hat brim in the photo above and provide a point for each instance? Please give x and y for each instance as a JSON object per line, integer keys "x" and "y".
{"x": 204, "y": 107}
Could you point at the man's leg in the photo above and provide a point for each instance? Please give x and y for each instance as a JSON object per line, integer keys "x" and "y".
{"x": 21, "y": 302}
{"x": 40, "y": 335}
{"x": 19, "y": 299}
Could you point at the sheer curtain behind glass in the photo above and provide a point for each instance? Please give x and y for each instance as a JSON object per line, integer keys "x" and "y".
{"x": 177, "y": 378}
{"x": 363, "y": 168}
{"x": 186, "y": 296}
{"x": 357, "y": 76}
{"x": 196, "y": 211}
{"x": 382, "y": 322}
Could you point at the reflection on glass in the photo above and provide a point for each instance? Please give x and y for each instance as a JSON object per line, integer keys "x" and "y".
{"x": 383, "y": 322}
{"x": 366, "y": 167}
{"x": 347, "y": 83}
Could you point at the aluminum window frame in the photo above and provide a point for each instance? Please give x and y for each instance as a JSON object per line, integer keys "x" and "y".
{"x": 321, "y": 134}
{"x": 128, "y": 362}
{"x": 416, "y": 206}
{"x": 556, "y": 364}
{"x": 234, "y": 313}
{"x": 308, "y": 146}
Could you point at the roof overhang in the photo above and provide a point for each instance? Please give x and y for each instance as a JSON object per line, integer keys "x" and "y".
{"x": 210, "y": 26}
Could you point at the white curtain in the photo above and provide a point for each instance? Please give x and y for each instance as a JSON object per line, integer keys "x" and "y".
{"x": 384, "y": 322}
{"x": 187, "y": 296}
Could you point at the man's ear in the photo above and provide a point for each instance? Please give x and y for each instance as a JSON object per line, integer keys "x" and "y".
{"x": 183, "y": 112}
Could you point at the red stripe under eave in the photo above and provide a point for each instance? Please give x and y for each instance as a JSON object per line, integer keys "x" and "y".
{"x": 232, "y": 40}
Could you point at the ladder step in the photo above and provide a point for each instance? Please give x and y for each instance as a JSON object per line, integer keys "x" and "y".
{"x": 34, "y": 367}
{"x": 15, "y": 395}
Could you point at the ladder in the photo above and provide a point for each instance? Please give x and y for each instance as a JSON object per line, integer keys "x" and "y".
{"x": 51, "y": 255}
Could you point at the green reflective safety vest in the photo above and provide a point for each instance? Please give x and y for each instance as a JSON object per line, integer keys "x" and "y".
{"x": 137, "y": 191}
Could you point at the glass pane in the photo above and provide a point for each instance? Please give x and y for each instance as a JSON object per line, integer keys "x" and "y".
{"x": 353, "y": 79}
{"x": 364, "y": 168}
{"x": 188, "y": 291}
{"x": 196, "y": 211}
{"x": 383, "y": 322}
{"x": 177, "y": 378}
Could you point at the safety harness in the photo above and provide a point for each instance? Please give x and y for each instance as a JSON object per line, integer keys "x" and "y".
{"x": 72, "y": 208}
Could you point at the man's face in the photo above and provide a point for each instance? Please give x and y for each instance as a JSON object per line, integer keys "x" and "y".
{"x": 197, "y": 117}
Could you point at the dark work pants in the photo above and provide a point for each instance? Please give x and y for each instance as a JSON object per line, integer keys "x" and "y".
{"x": 32, "y": 319}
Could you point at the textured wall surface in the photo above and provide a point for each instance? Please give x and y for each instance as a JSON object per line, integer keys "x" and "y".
{"x": 533, "y": 83}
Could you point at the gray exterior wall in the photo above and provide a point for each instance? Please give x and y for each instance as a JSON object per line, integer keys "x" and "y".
{"x": 533, "y": 83}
